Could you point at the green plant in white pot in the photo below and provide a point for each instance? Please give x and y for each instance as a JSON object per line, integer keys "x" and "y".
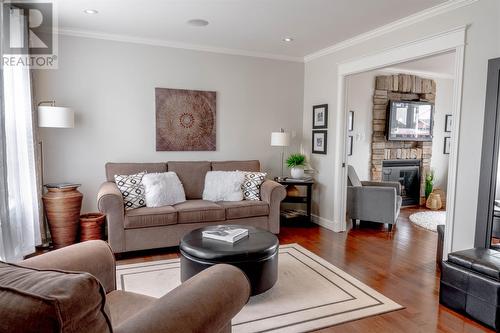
{"x": 296, "y": 163}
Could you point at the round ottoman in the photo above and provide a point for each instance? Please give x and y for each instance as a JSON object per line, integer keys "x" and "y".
{"x": 256, "y": 255}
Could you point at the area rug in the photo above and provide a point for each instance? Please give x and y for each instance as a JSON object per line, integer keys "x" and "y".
{"x": 310, "y": 293}
{"x": 428, "y": 220}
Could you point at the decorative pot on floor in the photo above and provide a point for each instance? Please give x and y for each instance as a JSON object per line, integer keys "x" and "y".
{"x": 297, "y": 172}
{"x": 91, "y": 226}
{"x": 62, "y": 208}
{"x": 434, "y": 201}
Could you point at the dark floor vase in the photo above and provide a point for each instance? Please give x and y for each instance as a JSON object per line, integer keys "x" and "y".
{"x": 62, "y": 208}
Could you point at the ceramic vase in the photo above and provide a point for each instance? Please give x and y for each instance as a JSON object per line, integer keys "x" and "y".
{"x": 62, "y": 208}
{"x": 297, "y": 172}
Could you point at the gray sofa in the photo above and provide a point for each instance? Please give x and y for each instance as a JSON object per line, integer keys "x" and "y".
{"x": 148, "y": 228}
{"x": 372, "y": 201}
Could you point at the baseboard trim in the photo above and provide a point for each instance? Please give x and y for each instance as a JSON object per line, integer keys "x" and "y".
{"x": 325, "y": 223}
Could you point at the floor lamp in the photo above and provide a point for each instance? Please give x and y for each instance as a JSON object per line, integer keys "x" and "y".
{"x": 54, "y": 117}
{"x": 281, "y": 139}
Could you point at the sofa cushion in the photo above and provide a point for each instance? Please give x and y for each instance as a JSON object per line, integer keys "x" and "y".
{"x": 223, "y": 186}
{"x": 132, "y": 190}
{"x": 113, "y": 169}
{"x": 252, "y": 184}
{"x": 163, "y": 189}
{"x": 35, "y": 300}
{"x": 192, "y": 176}
{"x": 150, "y": 217}
{"x": 246, "y": 208}
{"x": 253, "y": 165}
{"x": 193, "y": 211}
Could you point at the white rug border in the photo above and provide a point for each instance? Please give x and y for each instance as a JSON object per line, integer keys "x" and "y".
{"x": 313, "y": 324}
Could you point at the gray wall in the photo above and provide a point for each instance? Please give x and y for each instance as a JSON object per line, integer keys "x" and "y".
{"x": 111, "y": 85}
{"x": 483, "y": 43}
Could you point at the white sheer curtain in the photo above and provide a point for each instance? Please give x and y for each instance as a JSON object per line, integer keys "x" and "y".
{"x": 20, "y": 231}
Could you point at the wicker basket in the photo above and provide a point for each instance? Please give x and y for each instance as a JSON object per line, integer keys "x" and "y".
{"x": 91, "y": 226}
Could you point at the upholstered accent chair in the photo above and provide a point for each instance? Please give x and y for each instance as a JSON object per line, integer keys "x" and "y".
{"x": 73, "y": 289}
{"x": 372, "y": 201}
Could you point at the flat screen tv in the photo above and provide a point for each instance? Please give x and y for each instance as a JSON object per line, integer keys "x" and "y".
{"x": 409, "y": 121}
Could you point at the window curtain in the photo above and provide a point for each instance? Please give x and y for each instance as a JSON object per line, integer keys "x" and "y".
{"x": 20, "y": 218}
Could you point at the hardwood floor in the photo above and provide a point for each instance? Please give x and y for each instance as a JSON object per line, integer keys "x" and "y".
{"x": 401, "y": 265}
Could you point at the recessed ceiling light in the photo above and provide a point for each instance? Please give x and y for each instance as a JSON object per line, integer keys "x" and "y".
{"x": 90, "y": 11}
{"x": 198, "y": 22}
{"x": 287, "y": 39}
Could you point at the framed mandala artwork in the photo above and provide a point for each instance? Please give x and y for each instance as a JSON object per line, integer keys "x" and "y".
{"x": 185, "y": 120}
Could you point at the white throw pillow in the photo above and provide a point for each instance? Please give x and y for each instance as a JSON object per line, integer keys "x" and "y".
{"x": 163, "y": 189}
{"x": 223, "y": 186}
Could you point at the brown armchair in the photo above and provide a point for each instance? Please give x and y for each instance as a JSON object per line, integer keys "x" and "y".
{"x": 205, "y": 303}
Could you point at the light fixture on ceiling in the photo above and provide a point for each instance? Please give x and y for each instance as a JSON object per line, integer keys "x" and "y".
{"x": 287, "y": 39}
{"x": 90, "y": 11}
{"x": 198, "y": 22}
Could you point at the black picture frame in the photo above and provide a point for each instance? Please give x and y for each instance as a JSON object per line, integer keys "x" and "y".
{"x": 324, "y": 146}
{"x": 350, "y": 144}
{"x": 320, "y": 123}
{"x": 447, "y": 145}
{"x": 350, "y": 125}
{"x": 448, "y": 123}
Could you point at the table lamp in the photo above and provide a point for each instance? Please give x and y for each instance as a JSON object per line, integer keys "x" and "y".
{"x": 280, "y": 139}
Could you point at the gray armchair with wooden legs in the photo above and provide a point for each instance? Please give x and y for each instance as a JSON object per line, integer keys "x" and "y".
{"x": 73, "y": 289}
{"x": 372, "y": 201}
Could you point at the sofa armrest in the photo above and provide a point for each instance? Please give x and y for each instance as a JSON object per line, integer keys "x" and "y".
{"x": 372, "y": 203}
{"x": 110, "y": 202}
{"x": 94, "y": 257}
{"x": 273, "y": 193}
{"x": 205, "y": 303}
{"x": 396, "y": 185}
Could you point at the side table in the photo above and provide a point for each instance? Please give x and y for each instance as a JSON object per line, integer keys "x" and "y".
{"x": 307, "y": 199}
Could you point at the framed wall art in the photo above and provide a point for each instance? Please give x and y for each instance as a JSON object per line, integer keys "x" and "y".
{"x": 447, "y": 123}
{"x": 447, "y": 145}
{"x": 350, "y": 143}
{"x": 320, "y": 116}
{"x": 319, "y": 142}
{"x": 185, "y": 120}
{"x": 350, "y": 121}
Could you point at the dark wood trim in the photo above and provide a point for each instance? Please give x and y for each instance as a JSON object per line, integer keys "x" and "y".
{"x": 489, "y": 157}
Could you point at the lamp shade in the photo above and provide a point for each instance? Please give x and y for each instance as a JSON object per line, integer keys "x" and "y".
{"x": 56, "y": 116}
{"x": 280, "y": 139}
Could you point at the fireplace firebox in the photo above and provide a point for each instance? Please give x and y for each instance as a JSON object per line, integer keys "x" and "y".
{"x": 407, "y": 173}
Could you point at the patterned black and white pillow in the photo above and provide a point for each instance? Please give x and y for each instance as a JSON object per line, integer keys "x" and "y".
{"x": 251, "y": 185}
{"x": 132, "y": 190}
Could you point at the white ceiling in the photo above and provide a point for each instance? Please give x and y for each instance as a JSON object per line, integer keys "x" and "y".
{"x": 245, "y": 25}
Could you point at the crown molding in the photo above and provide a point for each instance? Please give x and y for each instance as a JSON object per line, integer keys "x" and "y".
{"x": 176, "y": 45}
{"x": 426, "y": 74}
{"x": 445, "y": 7}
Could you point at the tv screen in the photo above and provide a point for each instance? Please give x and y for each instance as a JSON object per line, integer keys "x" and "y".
{"x": 409, "y": 121}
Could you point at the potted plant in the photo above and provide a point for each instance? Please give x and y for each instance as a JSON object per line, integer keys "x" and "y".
{"x": 296, "y": 162}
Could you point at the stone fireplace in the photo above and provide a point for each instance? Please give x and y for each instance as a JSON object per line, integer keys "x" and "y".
{"x": 399, "y": 87}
